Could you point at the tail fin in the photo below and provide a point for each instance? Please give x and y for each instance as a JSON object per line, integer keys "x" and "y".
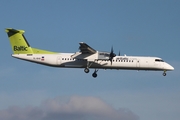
{"x": 20, "y": 45}
{"x": 18, "y": 42}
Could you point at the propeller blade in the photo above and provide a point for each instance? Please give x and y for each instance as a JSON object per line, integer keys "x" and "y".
{"x": 111, "y": 55}
{"x": 112, "y": 49}
{"x": 119, "y": 53}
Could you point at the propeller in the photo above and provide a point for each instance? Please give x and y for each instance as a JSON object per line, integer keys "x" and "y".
{"x": 111, "y": 55}
{"x": 119, "y": 53}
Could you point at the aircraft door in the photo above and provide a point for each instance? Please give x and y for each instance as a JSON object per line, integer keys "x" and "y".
{"x": 58, "y": 60}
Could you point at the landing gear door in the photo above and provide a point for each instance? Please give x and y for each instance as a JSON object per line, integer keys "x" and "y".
{"x": 58, "y": 60}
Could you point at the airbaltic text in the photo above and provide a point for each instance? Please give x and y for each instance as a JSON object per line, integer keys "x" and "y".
{"x": 20, "y": 48}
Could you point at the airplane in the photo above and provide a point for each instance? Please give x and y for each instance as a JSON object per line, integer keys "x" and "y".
{"x": 86, "y": 57}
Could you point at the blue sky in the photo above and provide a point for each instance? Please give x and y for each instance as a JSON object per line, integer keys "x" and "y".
{"x": 142, "y": 28}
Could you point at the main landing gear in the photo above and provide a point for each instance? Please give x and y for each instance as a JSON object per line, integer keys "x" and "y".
{"x": 86, "y": 70}
{"x": 95, "y": 73}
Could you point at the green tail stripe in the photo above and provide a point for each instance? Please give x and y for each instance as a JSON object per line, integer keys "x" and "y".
{"x": 39, "y": 51}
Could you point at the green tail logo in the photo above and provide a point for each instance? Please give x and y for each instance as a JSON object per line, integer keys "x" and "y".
{"x": 18, "y": 42}
{"x": 20, "y": 45}
{"x": 20, "y": 48}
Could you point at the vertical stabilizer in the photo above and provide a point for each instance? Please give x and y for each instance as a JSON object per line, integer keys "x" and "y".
{"x": 18, "y": 41}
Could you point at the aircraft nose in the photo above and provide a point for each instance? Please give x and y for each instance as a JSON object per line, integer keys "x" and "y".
{"x": 169, "y": 67}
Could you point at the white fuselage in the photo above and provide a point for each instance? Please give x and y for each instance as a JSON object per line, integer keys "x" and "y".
{"x": 119, "y": 62}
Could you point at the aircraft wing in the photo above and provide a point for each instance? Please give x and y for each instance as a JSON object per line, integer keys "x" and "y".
{"x": 86, "y": 49}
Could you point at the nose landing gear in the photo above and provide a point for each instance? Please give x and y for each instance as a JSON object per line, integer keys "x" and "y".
{"x": 164, "y": 73}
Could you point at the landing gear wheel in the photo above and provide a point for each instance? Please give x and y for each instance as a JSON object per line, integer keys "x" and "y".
{"x": 94, "y": 74}
{"x": 86, "y": 70}
{"x": 164, "y": 74}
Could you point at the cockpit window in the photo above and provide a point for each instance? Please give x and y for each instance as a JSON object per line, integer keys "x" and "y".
{"x": 159, "y": 60}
